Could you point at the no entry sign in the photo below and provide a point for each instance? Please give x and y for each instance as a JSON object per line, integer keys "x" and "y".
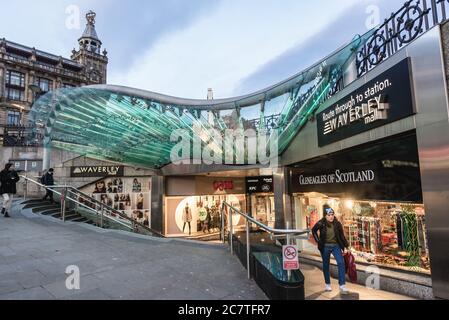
{"x": 291, "y": 259}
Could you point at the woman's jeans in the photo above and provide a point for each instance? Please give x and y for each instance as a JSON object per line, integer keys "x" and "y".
{"x": 335, "y": 250}
{"x": 7, "y": 202}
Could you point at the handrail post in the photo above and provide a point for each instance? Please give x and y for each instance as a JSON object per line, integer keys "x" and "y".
{"x": 101, "y": 218}
{"x": 63, "y": 203}
{"x": 222, "y": 223}
{"x": 248, "y": 249}
{"x": 231, "y": 229}
{"x": 25, "y": 189}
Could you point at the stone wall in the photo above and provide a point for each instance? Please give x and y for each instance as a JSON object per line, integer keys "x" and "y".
{"x": 61, "y": 161}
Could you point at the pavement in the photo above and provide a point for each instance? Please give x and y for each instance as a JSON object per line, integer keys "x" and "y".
{"x": 36, "y": 252}
{"x": 315, "y": 289}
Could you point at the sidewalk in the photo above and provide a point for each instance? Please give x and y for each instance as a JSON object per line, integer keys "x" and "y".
{"x": 35, "y": 252}
{"x": 315, "y": 289}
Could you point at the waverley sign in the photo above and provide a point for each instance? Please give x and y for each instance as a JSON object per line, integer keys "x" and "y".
{"x": 385, "y": 99}
{"x": 97, "y": 171}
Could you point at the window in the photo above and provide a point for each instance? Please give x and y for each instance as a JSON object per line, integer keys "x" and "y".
{"x": 15, "y": 94}
{"x": 68, "y": 85}
{"x": 14, "y": 118}
{"x": 45, "y": 84}
{"x": 14, "y": 78}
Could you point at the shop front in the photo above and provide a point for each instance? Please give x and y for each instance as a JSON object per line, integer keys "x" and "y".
{"x": 376, "y": 193}
{"x": 261, "y": 199}
{"x": 192, "y": 205}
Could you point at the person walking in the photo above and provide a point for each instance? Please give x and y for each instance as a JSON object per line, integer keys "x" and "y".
{"x": 328, "y": 233}
{"x": 48, "y": 180}
{"x": 8, "y": 180}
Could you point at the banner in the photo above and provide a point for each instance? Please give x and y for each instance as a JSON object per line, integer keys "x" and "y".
{"x": 385, "y": 99}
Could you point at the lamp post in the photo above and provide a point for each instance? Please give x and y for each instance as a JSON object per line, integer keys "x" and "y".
{"x": 37, "y": 93}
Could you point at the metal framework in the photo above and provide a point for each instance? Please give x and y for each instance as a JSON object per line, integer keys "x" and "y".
{"x": 402, "y": 27}
{"x": 135, "y": 126}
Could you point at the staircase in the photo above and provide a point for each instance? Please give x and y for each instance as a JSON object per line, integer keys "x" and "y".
{"x": 46, "y": 208}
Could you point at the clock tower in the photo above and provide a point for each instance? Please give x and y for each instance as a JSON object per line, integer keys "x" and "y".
{"x": 89, "y": 54}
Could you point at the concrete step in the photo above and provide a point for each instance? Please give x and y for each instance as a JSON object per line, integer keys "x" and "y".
{"x": 72, "y": 217}
{"x": 50, "y": 212}
{"x": 67, "y": 214}
{"x": 44, "y": 208}
{"x": 80, "y": 219}
{"x": 36, "y": 204}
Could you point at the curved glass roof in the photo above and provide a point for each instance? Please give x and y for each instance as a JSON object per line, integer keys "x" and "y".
{"x": 134, "y": 127}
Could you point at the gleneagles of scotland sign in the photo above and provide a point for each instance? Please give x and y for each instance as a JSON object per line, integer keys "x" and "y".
{"x": 383, "y": 100}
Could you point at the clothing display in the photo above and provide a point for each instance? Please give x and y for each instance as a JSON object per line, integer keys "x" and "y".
{"x": 365, "y": 234}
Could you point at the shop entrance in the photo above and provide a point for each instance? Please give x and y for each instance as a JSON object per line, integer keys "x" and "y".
{"x": 388, "y": 234}
{"x": 262, "y": 208}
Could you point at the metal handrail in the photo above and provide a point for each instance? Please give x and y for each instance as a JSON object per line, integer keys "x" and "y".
{"x": 64, "y": 197}
{"x": 288, "y": 233}
{"x": 104, "y": 207}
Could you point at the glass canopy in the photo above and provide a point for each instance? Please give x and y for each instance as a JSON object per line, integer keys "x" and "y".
{"x": 134, "y": 127}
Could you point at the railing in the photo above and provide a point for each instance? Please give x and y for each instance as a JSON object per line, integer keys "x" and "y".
{"x": 21, "y": 136}
{"x": 274, "y": 233}
{"x": 85, "y": 201}
{"x": 403, "y": 27}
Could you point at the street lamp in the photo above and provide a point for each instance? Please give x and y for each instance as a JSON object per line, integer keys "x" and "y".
{"x": 37, "y": 91}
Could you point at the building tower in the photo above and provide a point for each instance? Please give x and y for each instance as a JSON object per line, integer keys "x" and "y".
{"x": 89, "y": 53}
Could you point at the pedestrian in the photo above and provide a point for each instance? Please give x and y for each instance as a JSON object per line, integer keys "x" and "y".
{"x": 8, "y": 180}
{"x": 48, "y": 180}
{"x": 329, "y": 234}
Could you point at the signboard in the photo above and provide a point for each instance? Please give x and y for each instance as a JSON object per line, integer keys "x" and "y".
{"x": 290, "y": 257}
{"x": 385, "y": 99}
{"x": 97, "y": 171}
{"x": 386, "y": 170}
{"x": 217, "y": 185}
{"x": 259, "y": 185}
{"x": 223, "y": 185}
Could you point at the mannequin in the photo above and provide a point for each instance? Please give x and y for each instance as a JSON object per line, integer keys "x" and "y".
{"x": 187, "y": 218}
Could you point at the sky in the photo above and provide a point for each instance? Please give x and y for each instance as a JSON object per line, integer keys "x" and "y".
{"x": 183, "y": 47}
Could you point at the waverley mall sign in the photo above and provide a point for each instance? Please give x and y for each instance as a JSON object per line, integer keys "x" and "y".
{"x": 97, "y": 171}
{"x": 383, "y": 100}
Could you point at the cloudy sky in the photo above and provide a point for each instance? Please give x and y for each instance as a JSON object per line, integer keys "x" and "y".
{"x": 182, "y": 47}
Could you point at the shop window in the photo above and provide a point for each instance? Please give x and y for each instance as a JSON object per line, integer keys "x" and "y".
{"x": 199, "y": 216}
{"x": 381, "y": 233}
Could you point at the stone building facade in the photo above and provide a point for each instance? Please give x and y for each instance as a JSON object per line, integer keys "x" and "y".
{"x": 26, "y": 73}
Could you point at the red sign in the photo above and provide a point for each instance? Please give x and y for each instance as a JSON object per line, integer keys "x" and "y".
{"x": 291, "y": 259}
{"x": 223, "y": 185}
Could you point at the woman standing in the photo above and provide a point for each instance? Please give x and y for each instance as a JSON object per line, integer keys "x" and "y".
{"x": 328, "y": 233}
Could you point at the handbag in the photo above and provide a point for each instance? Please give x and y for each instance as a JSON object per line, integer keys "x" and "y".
{"x": 351, "y": 268}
